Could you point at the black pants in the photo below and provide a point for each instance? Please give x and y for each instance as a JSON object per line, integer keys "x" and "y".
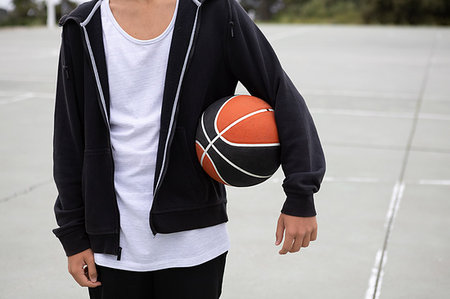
{"x": 203, "y": 281}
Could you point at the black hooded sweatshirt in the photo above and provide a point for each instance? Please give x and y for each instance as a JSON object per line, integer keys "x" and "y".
{"x": 215, "y": 44}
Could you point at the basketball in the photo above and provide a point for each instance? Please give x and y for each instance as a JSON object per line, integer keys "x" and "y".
{"x": 237, "y": 141}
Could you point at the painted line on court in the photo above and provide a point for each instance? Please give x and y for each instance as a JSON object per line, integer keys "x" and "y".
{"x": 22, "y": 97}
{"x": 362, "y": 113}
{"x": 352, "y": 180}
{"x": 28, "y": 80}
{"x": 368, "y": 146}
{"x": 370, "y": 94}
{"x": 18, "y": 98}
{"x": 25, "y": 191}
{"x": 373, "y": 277}
{"x": 374, "y": 113}
{"x": 376, "y": 277}
{"x": 435, "y": 182}
{"x": 376, "y": 180}
{"x": 397, "y": 195}
{"x": 36, "y": 94}
{"x": 433, "y": 116}
{"x": 377, "y": 272}
{"x": 361, "y": 94}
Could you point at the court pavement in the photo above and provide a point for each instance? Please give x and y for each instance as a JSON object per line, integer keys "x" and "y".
{"x": 380, "y": 100}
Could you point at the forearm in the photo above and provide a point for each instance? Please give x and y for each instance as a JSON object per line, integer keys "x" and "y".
{"x": 253, "y": 61}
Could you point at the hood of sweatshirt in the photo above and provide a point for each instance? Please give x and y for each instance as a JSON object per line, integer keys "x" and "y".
{"x": 84, "y": 12}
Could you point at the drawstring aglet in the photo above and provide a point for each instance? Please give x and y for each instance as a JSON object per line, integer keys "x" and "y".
{"x": 231, "y": 28}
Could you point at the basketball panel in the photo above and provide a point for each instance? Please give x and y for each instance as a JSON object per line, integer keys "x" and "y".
{"x": 257, "y": 129}
{"x": 257, "y": 160}
{"x": 231, "y": 175}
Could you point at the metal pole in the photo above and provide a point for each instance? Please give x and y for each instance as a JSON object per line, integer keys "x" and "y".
{"x": 51, "y": 15}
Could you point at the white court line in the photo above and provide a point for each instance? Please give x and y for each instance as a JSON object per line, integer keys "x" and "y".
{"x": 372, "y": 180}
{"x": 22, "y": 97}
{"x": 373, "y": 113}
{"x": 397, "y": 195}
{"x": 435, "y": 182}
{"x": 352, "y": 180}
{"x": 373, "y": 276}
{"x": 340, "y": 180}
{"x": 35, "y": 94}
{"x": 18, "y": 98}
{"x": 362, "y": 113}
{"x": 27, "y": 80}
{"x": 433, "y": 116}
{"x": 361, "y": 93}
{"x": 374, "y": 285}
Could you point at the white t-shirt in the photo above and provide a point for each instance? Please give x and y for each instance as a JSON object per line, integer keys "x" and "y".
{"x": 136, "y": 74}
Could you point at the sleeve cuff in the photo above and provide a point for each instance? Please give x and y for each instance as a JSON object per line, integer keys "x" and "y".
{"x": 73, "y": 242}
{"x": 299, "y": 205}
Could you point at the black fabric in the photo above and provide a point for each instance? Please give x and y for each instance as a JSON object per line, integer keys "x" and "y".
{"x": 203, "y": 281}
{"x": 228, "y": 47}
{"x": 253, "y": 61}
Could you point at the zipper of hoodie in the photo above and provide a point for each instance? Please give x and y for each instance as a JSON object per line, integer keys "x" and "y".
{"x": 188, "y": 58}
{"x": 107, "y": 124}
{"x": 119, "y": 249}
{"x": 104, "y": 114}
{"x": 230, "y": 16}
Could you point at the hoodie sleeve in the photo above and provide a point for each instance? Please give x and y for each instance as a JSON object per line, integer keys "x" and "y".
{"x": 253, "y": 62}
{"x": 68, "y": 157}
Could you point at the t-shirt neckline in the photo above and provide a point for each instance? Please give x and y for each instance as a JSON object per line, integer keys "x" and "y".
{"x": 136, "y": 40}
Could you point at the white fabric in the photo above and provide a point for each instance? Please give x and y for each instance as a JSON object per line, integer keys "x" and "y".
{"x": 136, "y": 74}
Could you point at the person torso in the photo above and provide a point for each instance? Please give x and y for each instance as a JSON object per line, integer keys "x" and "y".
{"x": 136, "y": 74}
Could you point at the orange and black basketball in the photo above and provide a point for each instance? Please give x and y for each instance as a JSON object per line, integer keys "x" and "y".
{"x": 237, "y": 141}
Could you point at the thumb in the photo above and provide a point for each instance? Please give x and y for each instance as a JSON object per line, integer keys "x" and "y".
{"x": 92, "y": 270}
{"x": 279, "y": 232}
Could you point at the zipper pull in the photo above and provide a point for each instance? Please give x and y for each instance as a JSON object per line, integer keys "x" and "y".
{"x": 66, "y": 71}
{"x": 119, "y": 254}
{"x": 231, "y": 28}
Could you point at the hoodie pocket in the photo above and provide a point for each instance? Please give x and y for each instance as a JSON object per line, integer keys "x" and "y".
{"x": 185, "y": 185}
{"x": 98, "y": 191}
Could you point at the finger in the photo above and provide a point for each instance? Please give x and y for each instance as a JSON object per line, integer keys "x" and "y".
{"x": 306, "y": 240}
{"x": 314, "y": 234}
{"x": 297, "y": 244}
{"x": 83, "y": 280}
{"x": 287, "y": 245}
{"x": 92, "y": 270}
{"x": 279, "y": 232}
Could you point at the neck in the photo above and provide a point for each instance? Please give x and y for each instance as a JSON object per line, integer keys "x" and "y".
{"x": 135, "y": 1}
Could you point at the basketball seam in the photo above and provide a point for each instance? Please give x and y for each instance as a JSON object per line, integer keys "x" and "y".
{"x": 239, "y": 144}
{"x": 235, "y": 123}
{"x": 206, "y": 136}
{"x": 212, "y": 162}
{"x": 238, "y": 168}
{"x": 249, "y": 144}
{"x": 210, "y": 144}
{"x": 218, "y": 112}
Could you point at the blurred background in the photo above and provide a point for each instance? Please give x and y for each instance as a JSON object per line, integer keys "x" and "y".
{"x": 410, "y": 12}
{"x": 376, "y": 77}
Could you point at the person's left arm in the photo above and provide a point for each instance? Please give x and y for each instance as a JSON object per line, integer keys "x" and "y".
{"x": 253, "y": 62}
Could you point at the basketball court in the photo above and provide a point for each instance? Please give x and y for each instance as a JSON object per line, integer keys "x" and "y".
{"x": 380, "y": 97}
